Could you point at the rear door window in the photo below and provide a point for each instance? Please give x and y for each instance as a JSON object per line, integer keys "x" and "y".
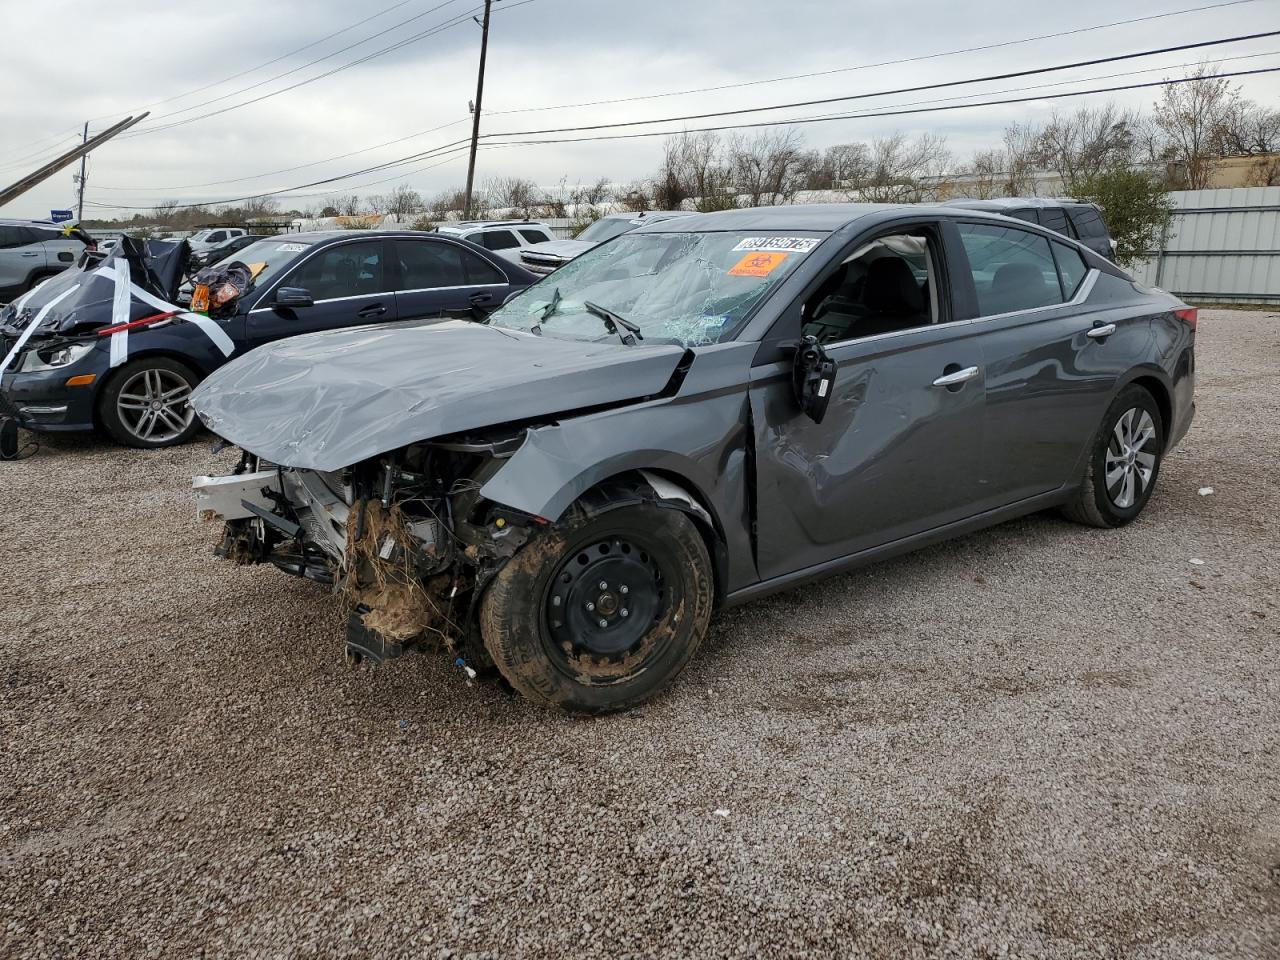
{"x": 481, "y": 272}
{"x": 1012, "y": 269}
{"x": 1071, "y": 268}
{"x": 11, "y": 237}
{"x": 1089, "y": 225}
{"x": 534, "y": 236}
{"x": 498, "y": 240}
{"x": 427, "y": 265}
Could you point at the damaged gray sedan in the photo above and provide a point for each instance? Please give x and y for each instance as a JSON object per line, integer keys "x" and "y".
{"x": 692, "y": 415}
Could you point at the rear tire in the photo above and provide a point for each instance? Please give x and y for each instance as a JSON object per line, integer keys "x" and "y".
{"x": 1124, "y": 462}
{"x": 600, "y": 612}
{"x": 128, "y": 410}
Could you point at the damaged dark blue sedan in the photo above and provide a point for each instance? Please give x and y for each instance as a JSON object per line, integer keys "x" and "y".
{"x": 113, "y": 345}
{"x": 693, "y": 415}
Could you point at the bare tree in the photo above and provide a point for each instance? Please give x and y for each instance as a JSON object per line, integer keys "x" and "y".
{"x": 637, "y": 196}
{"x": 1264, "y": 172}
{"x": 1248, "y": 128}
{"x": 769, "y": 167}
{"x": 520, "y": 196}
{"x": 1193, "y": 115}
{"x": 1022, "y": 156}
{"x": 904, "y": 171}
{"x": 403, "y": 202}
{"x": 164, "y": 211}
{"x": 348, "y": 206}
{"x": 984, "y": 178}
{"x": 1083, "y": 144}
{"x": 693, "y": 167}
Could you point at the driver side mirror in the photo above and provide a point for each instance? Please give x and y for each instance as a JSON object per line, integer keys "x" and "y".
{"x": 813, "y": 377}
{"x": 294, "y": 297}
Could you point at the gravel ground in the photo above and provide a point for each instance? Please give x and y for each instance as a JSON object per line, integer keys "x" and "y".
{"x": 1042, "y": 740}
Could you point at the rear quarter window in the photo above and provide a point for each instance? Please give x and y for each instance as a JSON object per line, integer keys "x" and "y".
{"x": 1055, "y": 218}
{"x": 534, "y": 236}
{"x": 1071, "y": 268}
{"x": 1087, "y": 223}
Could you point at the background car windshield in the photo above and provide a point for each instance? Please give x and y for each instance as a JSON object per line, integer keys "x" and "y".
{"x": 685, "y": 288}
{"x": 273, "y": 254}
{"x": 606, "y": 229}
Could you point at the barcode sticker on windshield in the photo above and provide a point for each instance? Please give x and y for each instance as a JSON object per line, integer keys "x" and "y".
{"x": 778, "y": 244}
{"x": 291, "y": 247}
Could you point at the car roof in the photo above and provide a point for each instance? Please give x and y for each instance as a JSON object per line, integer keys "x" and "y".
{"x": 820, "y": 217}
{"x": 1015, "y": 203}
{"x": 825, "y": 217}
{"x": 458, "y": 226}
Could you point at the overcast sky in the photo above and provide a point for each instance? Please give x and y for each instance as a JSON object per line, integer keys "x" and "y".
{"x": 67, "y": 61}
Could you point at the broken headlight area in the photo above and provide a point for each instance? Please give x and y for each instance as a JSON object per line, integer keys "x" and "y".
{"x": 405, "y": 538}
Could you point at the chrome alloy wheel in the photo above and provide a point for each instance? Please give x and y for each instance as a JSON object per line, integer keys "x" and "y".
{"x": 152, "y": 405}
{"x": 1129, "y": 465}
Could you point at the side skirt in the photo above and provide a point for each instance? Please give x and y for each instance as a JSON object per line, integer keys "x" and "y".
{"x": 897, "y": 547}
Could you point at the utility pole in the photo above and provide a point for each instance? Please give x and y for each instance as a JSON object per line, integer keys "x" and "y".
{"x": 83, "y": 162}
{"x": 475, "y": 121}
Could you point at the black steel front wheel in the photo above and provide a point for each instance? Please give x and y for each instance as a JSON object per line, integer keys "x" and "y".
{"x": 600, "y": 613}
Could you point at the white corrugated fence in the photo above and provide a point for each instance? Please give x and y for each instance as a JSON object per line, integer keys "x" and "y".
{"x": 1223, "y": 246}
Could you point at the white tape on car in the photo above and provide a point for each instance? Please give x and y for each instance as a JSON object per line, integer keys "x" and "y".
{"x": 31, "y": 327}
{"x": 215, "y": 333}
{"x": 121, "y": 305}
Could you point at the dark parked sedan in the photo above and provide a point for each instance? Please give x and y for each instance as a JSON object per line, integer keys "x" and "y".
{"x": 695, "y": 414}
{"x": 126, "y": 359}
{"x": 224, "y": 249}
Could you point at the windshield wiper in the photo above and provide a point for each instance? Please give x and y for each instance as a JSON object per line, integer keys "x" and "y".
{"x": 547, "y": 312}
{"x": 613, "y": 321}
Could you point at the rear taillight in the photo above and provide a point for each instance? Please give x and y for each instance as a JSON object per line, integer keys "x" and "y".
{"x": 1189, "y": 316}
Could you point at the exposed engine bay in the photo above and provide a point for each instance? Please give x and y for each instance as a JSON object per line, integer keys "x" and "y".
{"x": 406, "y": 538}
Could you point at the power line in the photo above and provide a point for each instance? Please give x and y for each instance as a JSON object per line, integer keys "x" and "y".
{"x": 439, "y": 28}
{"x": 886, "y": 113}
{"x": 301, "y": 166}
{"x": 235, "y": 76}
{"x": 283, "y": 56}
{"x": 986, "y": 93}
{"x": 869, "y": 66}
{"x": 747, "y": 83}
{"x": 881, "y": 93}
{"x": 310, "y": 63}
{"x": 456, "y": 146}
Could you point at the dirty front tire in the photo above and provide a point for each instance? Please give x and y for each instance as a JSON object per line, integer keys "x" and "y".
{"x": 1134, "y": 415}
{"x": 124, "y": 403}
{"x": 599, "y": 613}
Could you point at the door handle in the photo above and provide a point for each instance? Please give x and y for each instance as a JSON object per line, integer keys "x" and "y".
{"x": 1101, "y": 331}
{"x": 956, "y": 378}
{"x": 376, "y": 310}
{"x": 31, "y": 253}
{"x": 481, "y": 297}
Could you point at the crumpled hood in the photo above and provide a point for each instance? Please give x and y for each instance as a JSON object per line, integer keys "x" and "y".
{"x": 324, "y": 401}
{"x": 81, "y": 298}
{"x": 557, "y": 249}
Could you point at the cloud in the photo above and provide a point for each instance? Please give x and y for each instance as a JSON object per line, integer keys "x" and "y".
{"x": 547, "y": 52}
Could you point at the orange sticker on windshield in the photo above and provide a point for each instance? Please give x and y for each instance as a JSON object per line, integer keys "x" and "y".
{"x": 757, "y": 264}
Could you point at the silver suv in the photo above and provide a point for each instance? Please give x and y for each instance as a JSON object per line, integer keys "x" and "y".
{"x": 31, "y": 251}
{"x": 551, "y": 257}
{"x": 506, "y": 238}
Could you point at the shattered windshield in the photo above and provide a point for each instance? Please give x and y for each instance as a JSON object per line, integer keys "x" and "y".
{"x": 684, "y": 288}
